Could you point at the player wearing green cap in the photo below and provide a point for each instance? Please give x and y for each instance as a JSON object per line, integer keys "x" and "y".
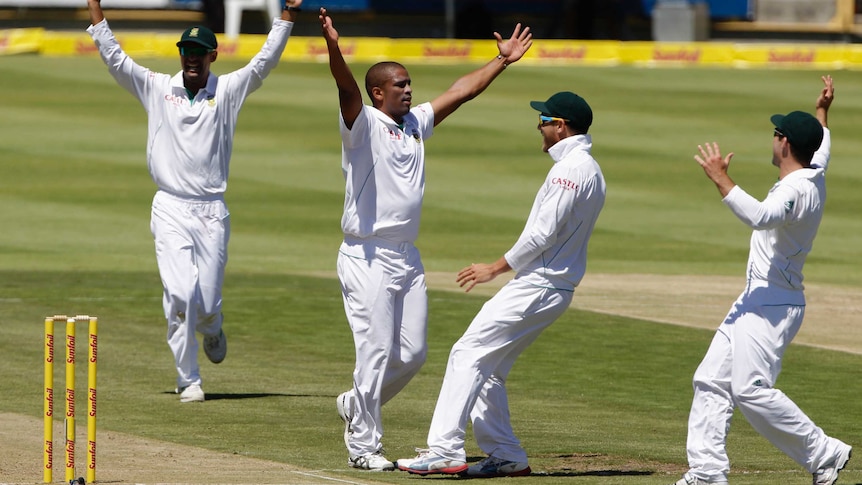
{"x": 550, "y": 258}
{"x": 191, "y": 117}
{"x": 743, "y": 361}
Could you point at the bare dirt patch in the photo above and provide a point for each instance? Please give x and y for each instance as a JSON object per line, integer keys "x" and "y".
{"x": 126, "y": 459}
{"x": 833, "y": 315}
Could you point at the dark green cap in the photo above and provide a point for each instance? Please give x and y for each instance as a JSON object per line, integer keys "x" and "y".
{"x": 802, "y": 130}
{"x": 199, "y": 35}
{"x": 569, "y": 106}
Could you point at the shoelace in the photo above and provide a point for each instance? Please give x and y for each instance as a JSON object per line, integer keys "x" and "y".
{"x": 421, "y": 452}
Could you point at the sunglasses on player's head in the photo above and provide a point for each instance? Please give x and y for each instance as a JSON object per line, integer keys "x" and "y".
{"x": 194, "y": 51}
{"x": 778, "y": 133}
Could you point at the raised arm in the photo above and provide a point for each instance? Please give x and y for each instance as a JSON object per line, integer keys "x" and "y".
{"x": 471, "y": 85}
{"x": 824, "y": 101}
{"x": 95, "y": 8}
{"x": 349, "y": 94}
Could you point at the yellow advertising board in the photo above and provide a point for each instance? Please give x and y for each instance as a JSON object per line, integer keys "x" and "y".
{"x": 449, "y": 51}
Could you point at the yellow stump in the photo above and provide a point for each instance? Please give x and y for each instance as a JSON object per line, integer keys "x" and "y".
{"x": 48, "y": 421}
{"x": 48, "y": 416}
{"x": 91, "y": 399}
{"x": 70, "y": 400}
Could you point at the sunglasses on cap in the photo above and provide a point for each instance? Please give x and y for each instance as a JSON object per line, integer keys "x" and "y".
{"x": 194, "y": 51}
{"x": 778, "y": 133}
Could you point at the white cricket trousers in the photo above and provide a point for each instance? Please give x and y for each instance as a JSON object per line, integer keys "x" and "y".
{"x": 385, "y": 300}
{"x": 191, "y": 237}
{"x": 739, "y": 370}
{"x": 479, "y": 363}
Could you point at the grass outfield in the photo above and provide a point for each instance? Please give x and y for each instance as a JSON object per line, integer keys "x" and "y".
{"x": 598, "y": 399}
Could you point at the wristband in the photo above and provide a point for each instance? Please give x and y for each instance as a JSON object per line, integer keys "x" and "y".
{"x": 291, "y": 8}
{"x": 505, "y": 64}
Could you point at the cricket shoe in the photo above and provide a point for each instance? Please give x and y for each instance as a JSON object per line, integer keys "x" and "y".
{"x": 344, "y": 406}
{"x": 192, "y": 393}
{"x": 687, "y": 479}
{"x": 215, "y": 346}
{"x": 372, "y": 461}
{"x": 492, "y": 467}
{"x": 828, "y": 475}
{"x": 427, "y": 462}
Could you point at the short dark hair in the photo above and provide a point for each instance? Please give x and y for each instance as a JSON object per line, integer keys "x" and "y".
{"x": 378, "y": 74}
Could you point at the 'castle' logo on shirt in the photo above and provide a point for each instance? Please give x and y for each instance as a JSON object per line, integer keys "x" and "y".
{"x": 565, "y": 183}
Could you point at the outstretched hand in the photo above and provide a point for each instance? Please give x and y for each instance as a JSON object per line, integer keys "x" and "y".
{"x": 515, "y": 46}
{"x": 329, "y": 32}
{"x": 827, "y": 94}
{"x": 715, "y": 167}
{"x": 473, "y": 275}
{"x": 824, "y": 100}
{"x": 710, "y": 160}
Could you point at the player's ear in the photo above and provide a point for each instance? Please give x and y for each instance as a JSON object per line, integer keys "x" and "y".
{"x": 377, "y": 93}
{"x": 213, "y": 56}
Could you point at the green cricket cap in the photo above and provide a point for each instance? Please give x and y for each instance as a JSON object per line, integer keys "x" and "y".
{"x": 199, "y": 35}
{"x": 569, "y": 106}
{"x": 802, "y": 130}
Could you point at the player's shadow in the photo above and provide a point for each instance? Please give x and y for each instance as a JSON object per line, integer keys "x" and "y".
{"x": 594, "y": 473}
{"x": 215, "y": 396}
{"x": 247, "y": 395}
{"x": 573, "y": 473}
{"x": 539, "y": 474}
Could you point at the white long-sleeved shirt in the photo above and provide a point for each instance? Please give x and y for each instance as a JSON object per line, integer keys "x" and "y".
{"x": 552, "y": 249}
{"x": 384, "y": 171}
{"x": 189, "y": 142}
{"x": 785, "y": 225}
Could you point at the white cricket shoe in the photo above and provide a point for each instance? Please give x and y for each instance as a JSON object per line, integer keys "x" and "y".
{"x": 192, "y": 393}
{"x": 687, "y": 479}
{"x": 344, "y": 406}
{"x": 428, "y": 462}
{"x": 215, "y": 346}
{"x": 372, "y": 461}
{"x": 403, "y": 463}
{"x": 828, "y": 475}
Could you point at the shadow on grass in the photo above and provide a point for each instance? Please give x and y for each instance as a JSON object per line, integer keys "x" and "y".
{"x": 576, "y": 473}
{"x": 593, "y": 473}
{"x": 242, "y": 395}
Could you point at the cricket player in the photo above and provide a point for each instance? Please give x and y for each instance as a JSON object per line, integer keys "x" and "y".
{"x": 192, "y": 117}
{"x": 381, "y": 274}
{"x": 743, "y": 361}
{"x": 550, "y": 258}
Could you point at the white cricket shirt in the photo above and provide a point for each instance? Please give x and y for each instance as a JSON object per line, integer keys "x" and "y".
{"x": 189, "y": 142}
{"x": 384, "y": 172}
{"x": 552, "y": 249}
{"x": 784, "y": 224}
